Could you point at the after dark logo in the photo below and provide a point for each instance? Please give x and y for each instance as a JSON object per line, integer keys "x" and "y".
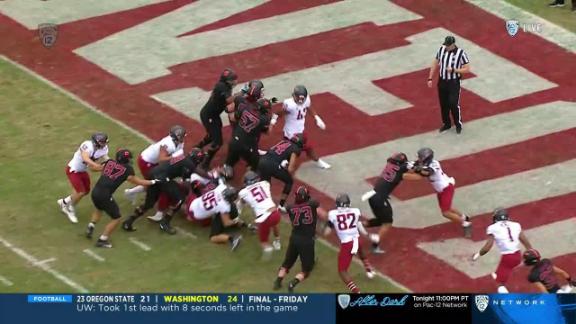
{"x": 48, "y": 34}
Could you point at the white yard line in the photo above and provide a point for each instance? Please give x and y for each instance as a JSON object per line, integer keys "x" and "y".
{"x": 45, "y": 261}
{"x": 184, "y": 232}
{"x": 94, "y": 255}
{"x": 140, "y": 244}
{"x": 43, "y": 265}
{"x": 6, "y": 282}
{"x": 550, "y": 31}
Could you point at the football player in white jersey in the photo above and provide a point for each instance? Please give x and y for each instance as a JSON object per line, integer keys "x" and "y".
{"x": 89, "y": 155}
{"x": 431, "y": 169}
{"x": 218, "y": 204}
{"x": 168, "y": 147}
{"x": 346, "y": 222}
{"x": 508, "y": 236}
{"x": 294, "y": 110}
{"x": 257, "y": 194}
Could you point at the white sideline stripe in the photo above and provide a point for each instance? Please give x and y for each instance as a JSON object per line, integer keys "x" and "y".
{"x": 128, "y": 128}
{"x": 75, "y": 97}
{"x": 40, "y": 264}
{"x": 184, "y": 232}
{"x": 6, "y": 282}
{"x": 140, "y": 244}
{"x": 46, "y": 261}
{"x": 94, "y": 255}
{"x": 358, "y": 262}
{"x": 550, "y": 31}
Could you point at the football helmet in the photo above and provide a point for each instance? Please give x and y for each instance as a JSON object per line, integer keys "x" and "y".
{"x": 302, "y": 195}
{"x": 230, "y": 194}
{"x": 299, "y": 140}
{"x": 177, "y": 133}
{"x": 229, "y": 76}
{"x": 255, "y": 90}
{"x": 398, "y": 158}
{"x": 300, "y": 94}
{"x": 425, "y": 155}
{"x": 197, "y": 156}
{"x": 342, "y": 200}
{"x": 100, "y": 139}
{"x": 251, "y": 177}
{"x": 500, "y": 214}
{"x": 123, "y": 156}
{"x": 531, "y": 257}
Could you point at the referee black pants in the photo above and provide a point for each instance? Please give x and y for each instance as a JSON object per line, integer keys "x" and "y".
{"x": 449, "y": 96}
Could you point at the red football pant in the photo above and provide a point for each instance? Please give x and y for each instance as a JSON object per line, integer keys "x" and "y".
{"x": 265, "y": 227}
{"x": 507, "y": 264}
{"x": 445, "y": 198}
{"x": 345, "y": 255}
{"x": 80, "y": 181}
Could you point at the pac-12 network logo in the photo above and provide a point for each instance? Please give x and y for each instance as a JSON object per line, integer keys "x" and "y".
{"x": 343, "y": 301}
{"x": 512, "y": 27}
{"x": 482, "y": 302}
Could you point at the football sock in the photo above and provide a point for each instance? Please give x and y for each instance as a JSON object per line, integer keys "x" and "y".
{"x": 136, "y": 189}
{"x": 68, "y": 200}
{"x": 352, "y": 287}
{"x": 103, "y": 237}
{"x": 466, "y": 223}
{"x": 91, "y": 224}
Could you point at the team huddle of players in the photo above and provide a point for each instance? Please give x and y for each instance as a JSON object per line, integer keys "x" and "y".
{"x": 173, "y": 178}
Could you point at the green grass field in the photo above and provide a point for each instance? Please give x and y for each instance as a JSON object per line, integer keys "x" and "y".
{"x": 40, "y": 128}
{"x": 563, "y": 17}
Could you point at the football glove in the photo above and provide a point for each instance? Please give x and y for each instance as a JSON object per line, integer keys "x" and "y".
{"x": 368, "y": 195}
{"x": 284, "y": 164}
{"x": 320, "y": 122}
{"x": 476, "y": 256}
{"x": 274, "y": 119}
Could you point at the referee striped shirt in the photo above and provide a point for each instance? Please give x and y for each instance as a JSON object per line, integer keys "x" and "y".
{"x": 454, "y": 59}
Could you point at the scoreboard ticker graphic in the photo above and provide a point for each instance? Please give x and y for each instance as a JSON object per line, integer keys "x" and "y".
{"x": 288, "y": 308}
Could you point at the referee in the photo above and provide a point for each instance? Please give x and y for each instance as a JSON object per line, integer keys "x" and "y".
{"x": 453, "y": 62}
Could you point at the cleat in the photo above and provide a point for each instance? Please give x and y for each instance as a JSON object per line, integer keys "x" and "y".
{"x": 235, "y": 242}
{"x": 252, "y": 228}
{"x": 89, "y": 232}
{"x": 370, "y": 274}
{"x": 458, "y": 130}
{"x": 267, "y": 253}
{"x": 282, "y": 209}
{"x": 277, "y": 245}
{"x": 165, "y": 227}
{"x": 68, "y": 211}
{"x": 467, "y": 231}
{"x": 131, "y": 196}
{"x": 322, "y": 164}
{"x": 103, "y": 244}
{"x": 127, "y": 226}
{"x": 291, "y": 287}
{"x": 277, "y": 284}
{"x": 377, "y": 250}
{"x": 444, "y": 128}
{"x": 156, "y": 217}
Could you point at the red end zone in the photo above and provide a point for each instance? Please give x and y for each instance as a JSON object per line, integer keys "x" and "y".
{"x": 404, "y": 262}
